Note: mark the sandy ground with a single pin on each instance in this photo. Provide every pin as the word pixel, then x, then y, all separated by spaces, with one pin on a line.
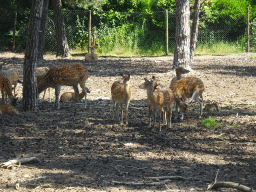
pixel 85 150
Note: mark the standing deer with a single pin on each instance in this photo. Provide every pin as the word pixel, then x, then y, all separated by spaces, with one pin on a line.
pixel 40 73
pixel 121 94
pixel 69 75
pixel 188 88
pixel 6 87
pixel 13 75
pixel 159 101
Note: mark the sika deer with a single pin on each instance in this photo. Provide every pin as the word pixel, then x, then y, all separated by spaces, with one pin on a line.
pixel 179 72
pixel 158 101
pixel 188 88
pixel 6 87
pixel 69 75
pixel 121 94
pixel 69 96
pixel 8 109
pixel 13 75
pixel 40 73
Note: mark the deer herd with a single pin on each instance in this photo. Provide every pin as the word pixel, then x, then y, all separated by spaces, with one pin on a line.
pixel 160 100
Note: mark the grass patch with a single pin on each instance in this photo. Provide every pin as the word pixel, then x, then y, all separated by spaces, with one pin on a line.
pixel 210 123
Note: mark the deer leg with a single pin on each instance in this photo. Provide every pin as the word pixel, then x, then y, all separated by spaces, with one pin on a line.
pixel 126 112
pixel 44 94
pixel 121 110
pixel 149 113
pixel 2 96
pixel 75 87
pixel 57 97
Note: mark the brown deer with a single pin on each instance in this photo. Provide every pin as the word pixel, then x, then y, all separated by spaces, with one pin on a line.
pixel 70 96
pixel 188 88
pixel 40 73
pixel 6 87
pixel 121 94
pixel 8 109
pixel 179 72
pixel 159 101
pixel 69 75
pixel 13 75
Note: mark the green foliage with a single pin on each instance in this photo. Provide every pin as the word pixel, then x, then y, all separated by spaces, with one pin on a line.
pixel 253 36
pixel 210 123
pixel 81 34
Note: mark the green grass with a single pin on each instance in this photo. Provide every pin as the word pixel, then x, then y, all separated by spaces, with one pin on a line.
pixel 219 48
pixel 210 123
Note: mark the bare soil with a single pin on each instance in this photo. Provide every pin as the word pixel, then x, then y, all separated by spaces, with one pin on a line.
pixel 86 150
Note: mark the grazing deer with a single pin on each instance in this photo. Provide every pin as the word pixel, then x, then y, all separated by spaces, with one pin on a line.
pixel 121 94
pixel 6 87
pixel 69 75
pixel 8 109
pixel 69 96
pixel 13 75
pixel 40 73
pixel 159 101
pixel 188 88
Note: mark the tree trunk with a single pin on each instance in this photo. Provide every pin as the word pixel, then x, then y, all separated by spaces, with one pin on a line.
pixel 194 30
pixel 182 35
pixel 29 80
pixel 43 27
pixel 62 43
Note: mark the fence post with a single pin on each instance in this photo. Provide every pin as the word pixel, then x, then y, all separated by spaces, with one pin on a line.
pixel 166 13
pixel 14 29
pixel 89 34
pixel 248 27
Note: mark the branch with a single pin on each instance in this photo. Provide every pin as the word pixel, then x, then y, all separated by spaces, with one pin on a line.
pixel 230 185
pixel 18 161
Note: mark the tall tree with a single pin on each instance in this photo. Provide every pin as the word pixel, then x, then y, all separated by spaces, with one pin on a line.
pixel 30 84
pixel 194 29
pixel 182 35
pixel 62 43
pixel 43 27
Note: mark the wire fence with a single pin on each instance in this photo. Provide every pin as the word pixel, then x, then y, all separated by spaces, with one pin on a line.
pixel 133 32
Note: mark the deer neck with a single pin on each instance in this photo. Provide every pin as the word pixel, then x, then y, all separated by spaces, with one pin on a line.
pixel 178 75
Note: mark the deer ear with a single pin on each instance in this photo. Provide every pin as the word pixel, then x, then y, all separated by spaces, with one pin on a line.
pixel 121 74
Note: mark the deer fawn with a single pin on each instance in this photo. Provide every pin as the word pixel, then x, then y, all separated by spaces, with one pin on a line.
pixel 8 109
pixel 69 96
pixel 188 88
pixel 121 94
pixel 6 87
pixel 40 73
pixel 13 75
pixel 161 101
pixel 69 75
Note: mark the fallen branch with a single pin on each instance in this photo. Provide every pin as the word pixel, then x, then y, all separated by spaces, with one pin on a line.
pixel 149 181
pixel 18 161
pixel 230 185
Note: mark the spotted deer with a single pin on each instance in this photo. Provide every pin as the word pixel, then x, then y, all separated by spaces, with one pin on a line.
pixel 179 72
pixel 13 75
pixel 70 96
pixel 121 95
pixel 8 109
pixel 6 87
pixel 69 75
pixel 158 101
pixel 40 73
pixel 188 88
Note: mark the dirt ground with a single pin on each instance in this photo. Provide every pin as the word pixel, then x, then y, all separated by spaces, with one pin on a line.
pixel 85 150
